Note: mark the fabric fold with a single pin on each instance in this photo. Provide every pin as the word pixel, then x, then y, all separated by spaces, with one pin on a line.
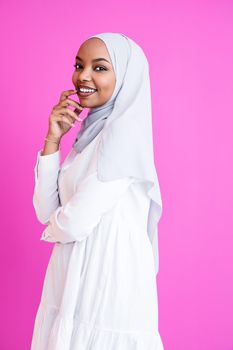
pixel 76 219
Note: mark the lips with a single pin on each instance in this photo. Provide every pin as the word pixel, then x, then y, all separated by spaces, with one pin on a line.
pixel 85 94
pixel 86 87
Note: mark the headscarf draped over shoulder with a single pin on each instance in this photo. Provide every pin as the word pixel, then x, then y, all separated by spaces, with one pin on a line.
pixel 126 144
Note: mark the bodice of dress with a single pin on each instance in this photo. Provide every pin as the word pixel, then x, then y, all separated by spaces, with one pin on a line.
pixel 133 205
pixel 57 184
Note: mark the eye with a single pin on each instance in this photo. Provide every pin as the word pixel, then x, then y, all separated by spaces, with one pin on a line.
pixel 103 68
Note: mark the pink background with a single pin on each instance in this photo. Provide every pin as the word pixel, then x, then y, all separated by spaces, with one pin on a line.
pixel 190 50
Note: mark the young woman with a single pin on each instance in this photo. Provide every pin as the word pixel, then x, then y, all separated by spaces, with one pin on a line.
pixel 101 207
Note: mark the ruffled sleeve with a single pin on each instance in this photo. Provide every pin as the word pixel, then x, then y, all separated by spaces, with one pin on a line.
pixel 46 197
pixel 76 219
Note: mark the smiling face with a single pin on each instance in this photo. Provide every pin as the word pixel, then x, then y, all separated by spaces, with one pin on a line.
pixel 95 74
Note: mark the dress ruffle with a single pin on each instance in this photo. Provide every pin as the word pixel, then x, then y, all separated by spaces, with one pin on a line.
pixel 70 334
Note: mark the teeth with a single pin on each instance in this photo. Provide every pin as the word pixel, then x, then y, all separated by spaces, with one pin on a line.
pixel 86 90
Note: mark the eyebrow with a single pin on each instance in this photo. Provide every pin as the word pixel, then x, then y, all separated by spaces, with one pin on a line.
pixel 95 60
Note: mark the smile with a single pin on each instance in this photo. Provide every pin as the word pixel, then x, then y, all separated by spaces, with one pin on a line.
pixel 85 94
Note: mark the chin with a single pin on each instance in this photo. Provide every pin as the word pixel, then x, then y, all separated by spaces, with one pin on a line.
pixel 88 104
pixel 83 102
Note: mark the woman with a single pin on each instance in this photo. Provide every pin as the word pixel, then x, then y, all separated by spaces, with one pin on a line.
pixel 101 207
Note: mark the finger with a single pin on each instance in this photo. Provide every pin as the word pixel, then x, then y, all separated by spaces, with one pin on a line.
pixel 77 112
pixel 63 113
pixel 70 102
pixel 71 113
pixel 65 94
pixel 64 119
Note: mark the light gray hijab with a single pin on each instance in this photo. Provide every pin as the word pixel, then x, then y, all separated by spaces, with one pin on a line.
pixel 126 143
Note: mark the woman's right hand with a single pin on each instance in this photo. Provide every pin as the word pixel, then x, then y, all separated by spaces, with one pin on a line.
pixel 61 117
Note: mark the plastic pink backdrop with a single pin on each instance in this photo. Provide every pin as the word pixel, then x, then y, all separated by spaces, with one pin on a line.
pixel 189 46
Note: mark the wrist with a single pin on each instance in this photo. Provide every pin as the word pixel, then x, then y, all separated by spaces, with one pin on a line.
pixel 53 138
pixel 51 145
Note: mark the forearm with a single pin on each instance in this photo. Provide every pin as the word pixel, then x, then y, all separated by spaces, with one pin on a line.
pixel 76 219
pixel 46 198
pixel 51 146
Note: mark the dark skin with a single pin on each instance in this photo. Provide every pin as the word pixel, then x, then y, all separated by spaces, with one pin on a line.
pixel 99 75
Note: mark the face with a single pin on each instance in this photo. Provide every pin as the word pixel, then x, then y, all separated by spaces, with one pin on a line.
pixel 97 74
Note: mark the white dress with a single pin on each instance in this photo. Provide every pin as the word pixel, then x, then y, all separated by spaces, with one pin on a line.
pixel 99 291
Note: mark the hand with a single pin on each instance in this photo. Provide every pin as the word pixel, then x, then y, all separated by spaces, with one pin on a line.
pixel 61 117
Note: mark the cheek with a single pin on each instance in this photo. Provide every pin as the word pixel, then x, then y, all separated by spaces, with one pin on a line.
pixel 113 84
pixel 107 82
pixel 109 86
pixel 74 78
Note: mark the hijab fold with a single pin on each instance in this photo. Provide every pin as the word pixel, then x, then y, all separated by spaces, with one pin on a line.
pixel 126 144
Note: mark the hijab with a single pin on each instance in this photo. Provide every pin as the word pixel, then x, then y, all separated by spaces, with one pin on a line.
pixel 126 143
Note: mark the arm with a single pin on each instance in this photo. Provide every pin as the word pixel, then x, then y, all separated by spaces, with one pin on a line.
pixel 45 196
pixel 76 219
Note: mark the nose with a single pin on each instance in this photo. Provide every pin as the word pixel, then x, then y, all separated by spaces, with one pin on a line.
pixel 84 75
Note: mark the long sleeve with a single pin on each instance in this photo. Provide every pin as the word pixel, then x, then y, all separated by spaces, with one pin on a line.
pixel 46 197
pixel 76 219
